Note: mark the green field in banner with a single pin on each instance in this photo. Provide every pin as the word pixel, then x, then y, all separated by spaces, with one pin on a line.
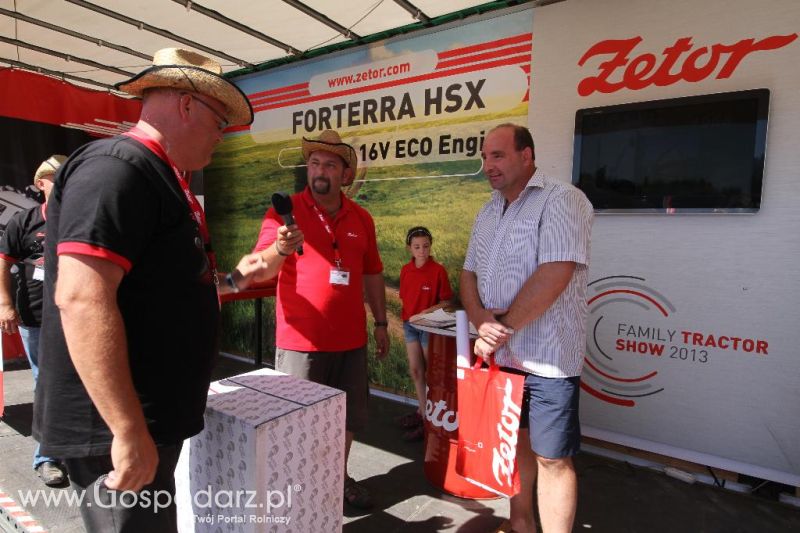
pixel 244 175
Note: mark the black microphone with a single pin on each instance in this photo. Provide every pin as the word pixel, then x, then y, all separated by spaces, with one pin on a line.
pixel 283 206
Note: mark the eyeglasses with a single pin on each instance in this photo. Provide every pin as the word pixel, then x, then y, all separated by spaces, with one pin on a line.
pixel 223 123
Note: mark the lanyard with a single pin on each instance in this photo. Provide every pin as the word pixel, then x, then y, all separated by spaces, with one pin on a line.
pixel 198 216
pixel 336 257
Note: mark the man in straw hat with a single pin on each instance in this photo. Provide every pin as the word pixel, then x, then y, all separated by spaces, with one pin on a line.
pixel 23 245
pixel 340 263
pixel 131 308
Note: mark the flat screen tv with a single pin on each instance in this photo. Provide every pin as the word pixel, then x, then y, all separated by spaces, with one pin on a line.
pixel 697 154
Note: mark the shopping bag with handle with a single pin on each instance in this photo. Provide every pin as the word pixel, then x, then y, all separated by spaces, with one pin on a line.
pixel 489 401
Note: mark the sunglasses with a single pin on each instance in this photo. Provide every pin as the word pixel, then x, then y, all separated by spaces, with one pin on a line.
pixel 222 122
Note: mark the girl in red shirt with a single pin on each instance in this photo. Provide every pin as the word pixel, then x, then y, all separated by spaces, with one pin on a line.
pixel 424 286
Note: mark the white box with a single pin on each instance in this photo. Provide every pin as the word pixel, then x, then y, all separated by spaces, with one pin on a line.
pixel 271 458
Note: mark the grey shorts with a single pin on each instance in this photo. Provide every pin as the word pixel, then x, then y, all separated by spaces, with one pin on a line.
pixel 550 411
pixel 346 371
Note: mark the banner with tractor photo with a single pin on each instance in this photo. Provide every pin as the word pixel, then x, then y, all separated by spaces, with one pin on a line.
pixel 415 109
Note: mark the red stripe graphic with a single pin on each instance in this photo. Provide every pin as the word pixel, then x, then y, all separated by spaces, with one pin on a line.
pixel 279 90
pixel 635 293
pixel 286 96
pixel 624 380
pixel 260 99
pixel 607 398
pixel 521 38
pixel 394 83
pixel 483 57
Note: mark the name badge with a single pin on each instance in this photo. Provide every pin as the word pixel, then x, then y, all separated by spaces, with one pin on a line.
pixel 38 273
pixel 340 276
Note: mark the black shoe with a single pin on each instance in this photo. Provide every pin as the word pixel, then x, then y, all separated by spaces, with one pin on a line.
pixel 409 421
pixel 52 473
pixel 356 494
pixel 414 435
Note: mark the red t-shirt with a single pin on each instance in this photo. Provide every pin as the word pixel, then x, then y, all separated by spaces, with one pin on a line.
pixel 313 315
pixel 423 287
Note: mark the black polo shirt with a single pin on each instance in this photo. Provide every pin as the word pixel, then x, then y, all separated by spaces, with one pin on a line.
pixel 115 199
pixel 23 245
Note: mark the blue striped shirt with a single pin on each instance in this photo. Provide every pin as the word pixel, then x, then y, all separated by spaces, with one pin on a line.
pixel 550 221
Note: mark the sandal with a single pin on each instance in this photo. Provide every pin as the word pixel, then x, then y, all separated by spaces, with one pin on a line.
pixel 409 421
pixel 414 435
pixel 355 494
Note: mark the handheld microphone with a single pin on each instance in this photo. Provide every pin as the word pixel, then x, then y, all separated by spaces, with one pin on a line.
pixel 283 206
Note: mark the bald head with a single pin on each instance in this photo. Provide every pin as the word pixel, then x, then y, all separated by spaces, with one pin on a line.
pixel 188 125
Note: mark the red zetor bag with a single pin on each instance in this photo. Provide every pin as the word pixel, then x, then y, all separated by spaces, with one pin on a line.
pixel 489 403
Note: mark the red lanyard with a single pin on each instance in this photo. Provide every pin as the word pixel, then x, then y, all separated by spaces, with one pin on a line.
pixel 336 257
pixel 198 216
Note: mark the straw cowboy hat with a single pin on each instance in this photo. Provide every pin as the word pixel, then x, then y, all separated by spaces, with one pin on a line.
pixel 184 69
pixel 330 141
pixel 49 166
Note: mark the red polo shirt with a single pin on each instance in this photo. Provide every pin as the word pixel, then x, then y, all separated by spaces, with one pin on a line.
pixel 420 288
pixel 313 315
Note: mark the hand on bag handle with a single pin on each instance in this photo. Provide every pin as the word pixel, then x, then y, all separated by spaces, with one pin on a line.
pixel 489 360
pixel 483 350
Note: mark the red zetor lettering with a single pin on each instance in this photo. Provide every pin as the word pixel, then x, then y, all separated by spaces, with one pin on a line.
pixel 503 458
pixel 761 347
pixel 641 71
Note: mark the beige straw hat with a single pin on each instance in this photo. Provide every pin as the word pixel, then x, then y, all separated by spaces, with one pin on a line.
pixel 49 166
pixel 184 69
pixel 330 141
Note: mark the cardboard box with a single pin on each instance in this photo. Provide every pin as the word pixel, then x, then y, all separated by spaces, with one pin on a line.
pixel 271 458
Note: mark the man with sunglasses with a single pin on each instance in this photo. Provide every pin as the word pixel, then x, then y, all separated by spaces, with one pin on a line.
pixel 129 330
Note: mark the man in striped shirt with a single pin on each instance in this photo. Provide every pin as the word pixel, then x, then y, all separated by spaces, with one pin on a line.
pixel 524 288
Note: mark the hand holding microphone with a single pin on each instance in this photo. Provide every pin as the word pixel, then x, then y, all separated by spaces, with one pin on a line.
pixel 283 206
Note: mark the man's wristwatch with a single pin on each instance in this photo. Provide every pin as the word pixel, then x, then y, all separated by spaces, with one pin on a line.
pixel 231 283
pixel 381 324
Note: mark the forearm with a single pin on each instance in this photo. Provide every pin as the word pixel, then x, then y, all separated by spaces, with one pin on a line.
pixel 6 296
pixel 470 298
pixel 101 358
pixel 9 319
pixel 375 292
pixel 274 262
pixel 538 293
pixel 287 241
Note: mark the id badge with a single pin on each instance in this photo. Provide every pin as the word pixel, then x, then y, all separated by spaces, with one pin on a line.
pixel 38 273
pixel 340 276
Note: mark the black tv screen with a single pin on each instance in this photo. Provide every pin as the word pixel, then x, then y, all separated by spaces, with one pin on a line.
pixel 697 154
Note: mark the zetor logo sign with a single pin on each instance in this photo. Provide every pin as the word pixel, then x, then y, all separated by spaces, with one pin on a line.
pixel 504 454
pixel 681 61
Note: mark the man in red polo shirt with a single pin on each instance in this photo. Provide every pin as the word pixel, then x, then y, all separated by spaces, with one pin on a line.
pixel 321 322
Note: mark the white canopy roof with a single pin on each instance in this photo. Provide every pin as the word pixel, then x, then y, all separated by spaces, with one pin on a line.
pixel 101 42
